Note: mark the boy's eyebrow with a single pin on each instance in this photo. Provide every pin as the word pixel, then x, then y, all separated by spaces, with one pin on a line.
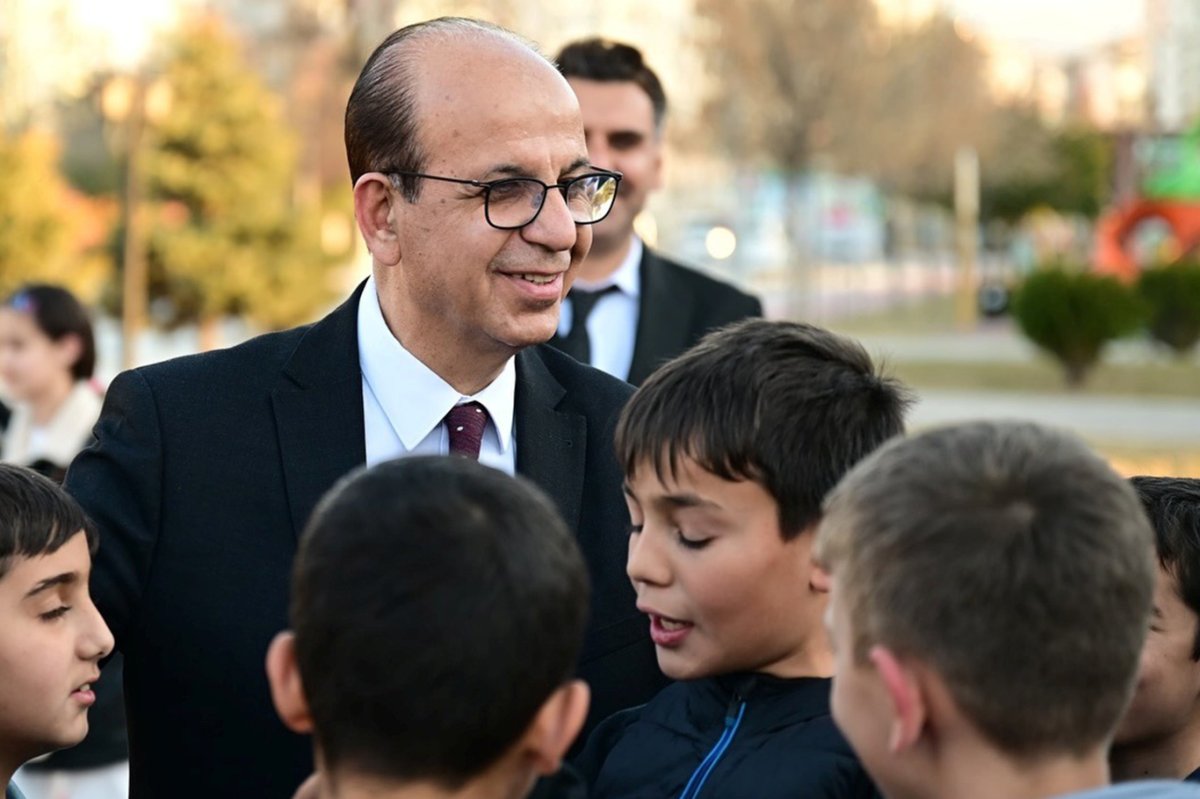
pixel 687 501
pixel 66 578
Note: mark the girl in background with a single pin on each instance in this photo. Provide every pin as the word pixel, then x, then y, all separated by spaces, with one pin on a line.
pixel 47 356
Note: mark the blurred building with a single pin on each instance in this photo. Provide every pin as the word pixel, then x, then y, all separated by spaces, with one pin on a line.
pixel 1173 33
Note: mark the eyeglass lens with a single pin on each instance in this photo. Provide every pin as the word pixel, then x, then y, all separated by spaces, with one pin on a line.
pixel 515 203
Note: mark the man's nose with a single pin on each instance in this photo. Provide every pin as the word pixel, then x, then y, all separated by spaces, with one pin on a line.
pixel 554 228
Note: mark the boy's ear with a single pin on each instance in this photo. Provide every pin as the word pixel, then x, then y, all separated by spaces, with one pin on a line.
pixel 375 210
pixel 287 691
pixel 906 694
pixel 819 580
pixel 555 726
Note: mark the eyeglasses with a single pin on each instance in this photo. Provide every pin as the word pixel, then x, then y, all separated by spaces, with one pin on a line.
pixel 512 203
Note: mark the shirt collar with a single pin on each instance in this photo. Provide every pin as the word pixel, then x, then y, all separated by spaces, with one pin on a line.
pixel 413 397
pixel 627 278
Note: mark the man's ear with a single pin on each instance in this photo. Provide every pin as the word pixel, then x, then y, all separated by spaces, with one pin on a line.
pixel 555 726
pixel 906 693
pixel 375 211
pixel 287 691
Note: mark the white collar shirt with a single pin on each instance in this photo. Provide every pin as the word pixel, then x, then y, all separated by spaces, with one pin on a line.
pixel 405 403
pixel 612 325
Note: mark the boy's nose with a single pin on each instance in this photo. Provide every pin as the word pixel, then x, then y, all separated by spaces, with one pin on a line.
pixel 97 640
pixel 646 563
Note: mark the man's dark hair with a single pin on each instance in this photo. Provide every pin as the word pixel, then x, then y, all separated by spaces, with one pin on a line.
pixel 787 405
pixel 608 61
pixel 58 314
pixel 436 604
pixel 1173 505
pixel 381 127
pixel 36 517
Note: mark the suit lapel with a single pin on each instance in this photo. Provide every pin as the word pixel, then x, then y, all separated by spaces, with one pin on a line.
pixel 551 444
pixel 658 326
pixel 319 411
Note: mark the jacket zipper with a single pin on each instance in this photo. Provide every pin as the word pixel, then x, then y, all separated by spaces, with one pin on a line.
pixel 733 719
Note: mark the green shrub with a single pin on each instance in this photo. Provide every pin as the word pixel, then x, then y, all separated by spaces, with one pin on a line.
pixel 1172 296
pixel 1072 315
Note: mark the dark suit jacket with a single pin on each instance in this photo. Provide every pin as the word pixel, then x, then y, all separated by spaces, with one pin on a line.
pixel 204 472
pixel 676 307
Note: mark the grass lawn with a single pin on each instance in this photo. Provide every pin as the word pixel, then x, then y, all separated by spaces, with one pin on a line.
pixel 925 316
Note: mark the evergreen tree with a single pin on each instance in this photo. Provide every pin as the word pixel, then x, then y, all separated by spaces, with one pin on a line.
pixel 225 236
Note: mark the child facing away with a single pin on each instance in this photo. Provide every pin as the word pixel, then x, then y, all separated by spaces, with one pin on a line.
pixel 51 635
pixel 438 609
pixel 728 451
pixel 1160 735
pixel 991 589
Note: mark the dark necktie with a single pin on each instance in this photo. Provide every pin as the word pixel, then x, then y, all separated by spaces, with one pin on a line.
pixel 466 423
pixel 576 343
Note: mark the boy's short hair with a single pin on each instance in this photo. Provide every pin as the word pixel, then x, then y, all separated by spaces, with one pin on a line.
pixel 607 61
pixel 436 605
pixel 1173 505
pixel 36 517
pixel 787 405
pixel 1010 558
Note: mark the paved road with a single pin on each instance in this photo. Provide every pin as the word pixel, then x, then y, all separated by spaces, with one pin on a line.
pixel 1135 422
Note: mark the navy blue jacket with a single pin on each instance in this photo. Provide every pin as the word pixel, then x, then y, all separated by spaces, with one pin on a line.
pixel 733 737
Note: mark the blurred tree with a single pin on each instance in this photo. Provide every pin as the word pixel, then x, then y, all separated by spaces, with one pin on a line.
pixel 931 99
pixel 1172 293
pixel 1068 170
pixel 1072 314
pixel 226 236
pixel 45 229
pixel 788 74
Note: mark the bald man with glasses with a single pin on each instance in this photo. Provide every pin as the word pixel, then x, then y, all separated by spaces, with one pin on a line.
pixel 475 196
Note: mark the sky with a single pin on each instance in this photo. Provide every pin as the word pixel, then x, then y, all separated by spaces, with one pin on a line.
pixel 1054 26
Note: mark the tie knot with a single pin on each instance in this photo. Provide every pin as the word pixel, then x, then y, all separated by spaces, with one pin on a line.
pixel 465 424
pixel 582 303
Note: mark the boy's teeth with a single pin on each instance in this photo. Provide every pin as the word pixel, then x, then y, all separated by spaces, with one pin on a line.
pixel 541 280
pixel 667 624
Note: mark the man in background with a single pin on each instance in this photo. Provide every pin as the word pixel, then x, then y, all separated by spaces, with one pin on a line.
pixel 631 309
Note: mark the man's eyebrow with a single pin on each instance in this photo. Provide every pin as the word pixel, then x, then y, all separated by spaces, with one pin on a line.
pixel 578 163
pixel 518 171
pixel 66 578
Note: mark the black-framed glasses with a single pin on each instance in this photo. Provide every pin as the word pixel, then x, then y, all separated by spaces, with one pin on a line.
pixel 511 203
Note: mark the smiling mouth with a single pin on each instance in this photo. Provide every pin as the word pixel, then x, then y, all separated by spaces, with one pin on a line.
pixel 538 280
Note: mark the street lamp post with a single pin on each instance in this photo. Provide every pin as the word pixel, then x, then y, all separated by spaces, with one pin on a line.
pixel 131 100
pixel 133 275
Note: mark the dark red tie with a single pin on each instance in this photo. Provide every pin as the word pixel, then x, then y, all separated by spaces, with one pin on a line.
pixel 466 423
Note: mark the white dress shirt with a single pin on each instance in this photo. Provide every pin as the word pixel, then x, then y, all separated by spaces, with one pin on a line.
pixel 612 325
pixel 405 402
